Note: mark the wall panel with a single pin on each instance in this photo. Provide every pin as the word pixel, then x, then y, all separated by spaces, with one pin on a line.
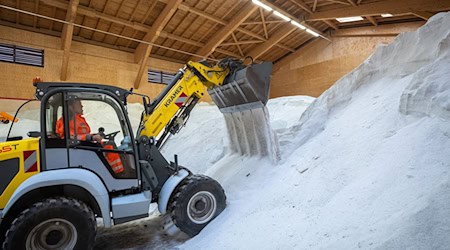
pixel 314 68
pixel 88 64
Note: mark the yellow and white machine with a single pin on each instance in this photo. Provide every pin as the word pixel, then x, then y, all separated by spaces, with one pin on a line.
pixel 53 185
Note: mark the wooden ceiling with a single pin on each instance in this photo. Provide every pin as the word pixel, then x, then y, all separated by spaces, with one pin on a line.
pixel 178 30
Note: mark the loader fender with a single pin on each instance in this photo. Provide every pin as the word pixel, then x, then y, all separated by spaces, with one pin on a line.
pixel 168 188
pixel 77 177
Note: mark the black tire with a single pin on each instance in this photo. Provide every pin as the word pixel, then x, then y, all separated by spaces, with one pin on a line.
pixel 54 223
pixel 5 121
pixel 196 202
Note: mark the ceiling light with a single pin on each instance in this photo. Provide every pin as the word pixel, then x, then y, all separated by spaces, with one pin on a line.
pixel 349 19
pixel 287 19
pixel 262 5
pixel 387 15
pixel 298 25
pixel 312 32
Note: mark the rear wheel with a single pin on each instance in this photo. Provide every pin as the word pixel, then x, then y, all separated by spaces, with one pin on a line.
pixel 55 223
pixel 196 201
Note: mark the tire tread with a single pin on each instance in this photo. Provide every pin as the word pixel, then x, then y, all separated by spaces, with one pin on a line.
pixel 41 205
pixel 177 201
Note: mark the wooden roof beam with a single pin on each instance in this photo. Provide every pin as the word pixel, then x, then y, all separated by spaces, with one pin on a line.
pixel 372 20
pixel 199 44
pixel 394 7
pixel 285 47
pixel 52 23
pixel 36 10
pixel 17 13
pixel 265 21
pixel 352 3
pixel 226 31
pixel 314 6
pixel 142 52
pixel 201 13
pixel 220 21
pixel 138 25
pixel 85 11
pixel 380 31
pixel 425 15
pixel 339 2
pixel 129 19
pixel 237 45
pixel 241 42
pixel 66 36
pixel 147 13
pixel 261 13
pixel 111 25
pixel 227 53
pixel 302 5
pixel 331 24
pixel 181 39
pixel 279 35
pixel 306 8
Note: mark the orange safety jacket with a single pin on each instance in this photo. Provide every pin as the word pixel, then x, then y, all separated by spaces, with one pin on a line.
pixel 84 133
pixel 83 129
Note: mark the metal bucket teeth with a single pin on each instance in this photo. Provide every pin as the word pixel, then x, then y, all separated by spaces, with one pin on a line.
pixel 246 89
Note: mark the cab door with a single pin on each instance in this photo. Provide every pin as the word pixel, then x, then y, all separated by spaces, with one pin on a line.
pixel 73 135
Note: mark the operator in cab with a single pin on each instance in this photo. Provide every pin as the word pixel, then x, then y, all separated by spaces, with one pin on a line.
pixel 83 133
pixel 83 128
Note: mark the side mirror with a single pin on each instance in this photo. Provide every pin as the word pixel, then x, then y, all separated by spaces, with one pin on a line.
pixel 34 134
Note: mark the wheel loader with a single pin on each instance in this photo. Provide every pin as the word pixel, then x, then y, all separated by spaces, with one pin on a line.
pixel 56 186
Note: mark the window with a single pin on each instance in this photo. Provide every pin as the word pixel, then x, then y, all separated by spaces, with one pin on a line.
pixel 96 114
pixel 53 113
pixel 160 77
pixel 29 120
pixel 21 55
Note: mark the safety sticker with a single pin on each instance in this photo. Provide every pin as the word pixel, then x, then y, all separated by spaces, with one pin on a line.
pixel 179 102
pixel 30 161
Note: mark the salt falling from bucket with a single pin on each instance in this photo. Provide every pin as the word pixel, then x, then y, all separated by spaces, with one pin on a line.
pixel 250 133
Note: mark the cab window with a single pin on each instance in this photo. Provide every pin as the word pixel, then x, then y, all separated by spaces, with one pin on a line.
pixel 96 122
pixel 27 123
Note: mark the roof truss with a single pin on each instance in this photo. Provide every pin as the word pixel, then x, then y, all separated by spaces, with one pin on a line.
pixel 239 29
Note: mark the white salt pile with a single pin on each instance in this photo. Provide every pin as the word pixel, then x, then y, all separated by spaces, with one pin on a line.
pixel 367 165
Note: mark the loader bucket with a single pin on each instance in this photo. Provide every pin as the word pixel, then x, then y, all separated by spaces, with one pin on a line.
pixel 244 89
pixel 242 100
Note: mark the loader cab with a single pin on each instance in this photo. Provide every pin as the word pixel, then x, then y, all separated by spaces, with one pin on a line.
pixel 72 117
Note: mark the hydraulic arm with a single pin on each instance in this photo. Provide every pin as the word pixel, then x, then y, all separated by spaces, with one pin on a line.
pixel 232 86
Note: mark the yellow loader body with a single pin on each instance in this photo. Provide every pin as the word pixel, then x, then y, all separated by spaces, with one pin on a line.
pixel 19 160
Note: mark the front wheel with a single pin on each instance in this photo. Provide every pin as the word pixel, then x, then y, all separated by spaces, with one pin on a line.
pixel 196 202
pixel 55 223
